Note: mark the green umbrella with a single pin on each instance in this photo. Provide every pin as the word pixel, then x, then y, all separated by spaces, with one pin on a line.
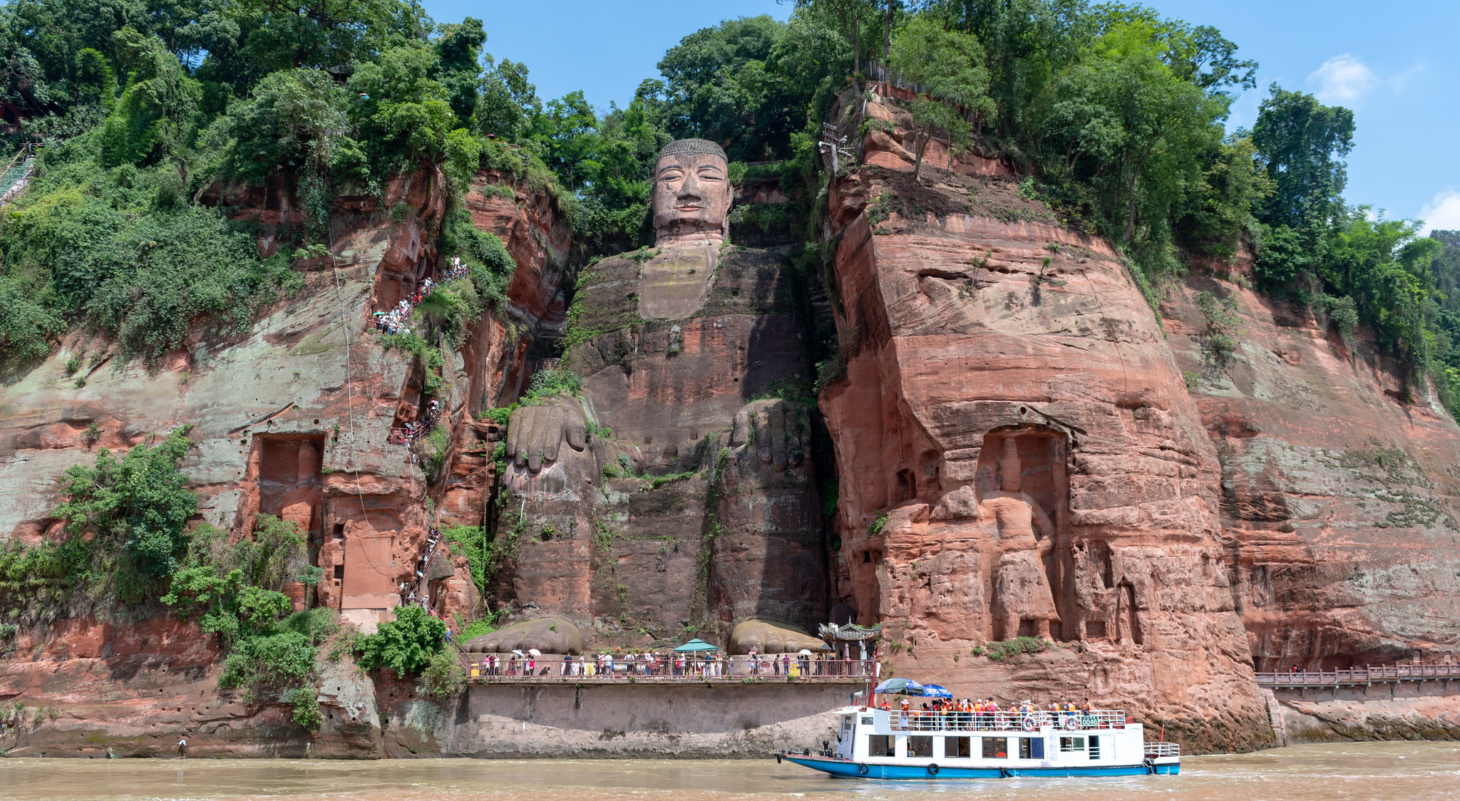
pixel 695 646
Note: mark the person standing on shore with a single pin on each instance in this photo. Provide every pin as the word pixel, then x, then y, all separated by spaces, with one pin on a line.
pixel 182 748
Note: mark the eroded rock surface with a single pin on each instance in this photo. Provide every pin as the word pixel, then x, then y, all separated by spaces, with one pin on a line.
pixel 1338 499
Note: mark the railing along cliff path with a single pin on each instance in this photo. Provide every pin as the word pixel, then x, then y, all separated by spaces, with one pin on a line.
pixel 663 669
pixel 15 176
pixel 1360 676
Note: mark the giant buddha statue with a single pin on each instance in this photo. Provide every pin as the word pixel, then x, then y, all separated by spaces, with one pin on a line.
pixel 676 488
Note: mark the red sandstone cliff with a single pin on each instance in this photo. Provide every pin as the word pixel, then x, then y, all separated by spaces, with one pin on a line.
pixel 968 320
pixel 1338 499
pixel 293 420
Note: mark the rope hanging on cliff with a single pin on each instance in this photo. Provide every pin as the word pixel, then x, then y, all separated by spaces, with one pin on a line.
pixel 349 394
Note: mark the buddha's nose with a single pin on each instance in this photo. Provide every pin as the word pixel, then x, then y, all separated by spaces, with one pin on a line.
pixel 690 189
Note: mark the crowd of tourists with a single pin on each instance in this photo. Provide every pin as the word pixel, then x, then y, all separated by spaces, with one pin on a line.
pixel 650 663
pixel 421 564
pixel 411 433
pixel 986 714
pixel 394 320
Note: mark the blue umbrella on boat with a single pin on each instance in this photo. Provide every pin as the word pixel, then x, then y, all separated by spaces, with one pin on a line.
pixel 936 691
pixel 903 686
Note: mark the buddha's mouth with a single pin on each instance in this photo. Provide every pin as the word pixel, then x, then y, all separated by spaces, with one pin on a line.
pixel 689 207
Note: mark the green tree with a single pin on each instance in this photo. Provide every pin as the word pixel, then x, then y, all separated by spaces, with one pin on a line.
pixel 507 102
pixel 1124 121
pixel 402 113
pixel 139 501
pixel 1302 145
pixel 405 644
pixel 156 115
pixel 458 52
pixel 291 122
pixel 948 67
pixel 565 132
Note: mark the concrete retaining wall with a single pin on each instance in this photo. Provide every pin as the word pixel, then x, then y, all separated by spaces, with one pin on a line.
pixel 1403 711
pixel 698 721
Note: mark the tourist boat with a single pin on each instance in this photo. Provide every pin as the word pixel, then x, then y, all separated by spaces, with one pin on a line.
pixel 880 744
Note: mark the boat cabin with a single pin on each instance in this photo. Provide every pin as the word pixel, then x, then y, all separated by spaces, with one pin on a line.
pixel 1006 740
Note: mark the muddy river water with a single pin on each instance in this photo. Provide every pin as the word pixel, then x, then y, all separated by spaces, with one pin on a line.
pixel 1341 772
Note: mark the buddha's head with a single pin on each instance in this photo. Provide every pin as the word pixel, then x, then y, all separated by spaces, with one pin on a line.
pixel 692 192
pixel 1009 467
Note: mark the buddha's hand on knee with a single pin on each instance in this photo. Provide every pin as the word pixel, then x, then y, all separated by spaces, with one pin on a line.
pixel 779 432
pixel 536 435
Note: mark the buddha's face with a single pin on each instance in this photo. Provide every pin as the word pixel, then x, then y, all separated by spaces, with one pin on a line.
pixel 692 195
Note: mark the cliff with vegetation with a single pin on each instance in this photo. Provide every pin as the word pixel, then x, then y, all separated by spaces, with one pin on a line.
pixel 320 333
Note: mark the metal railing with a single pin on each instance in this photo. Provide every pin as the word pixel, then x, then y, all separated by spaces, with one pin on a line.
pixel 1163 749
pixel 15 175
pixel 919 720
pixel 1368 674
pixel 660 667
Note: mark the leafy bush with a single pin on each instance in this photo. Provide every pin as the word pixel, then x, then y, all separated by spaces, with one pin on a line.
pixel 1009 649
pixel 443 676
pixel 405 644
pixel 1219 338
pixel 270 666
pixel 471 542
pixel 138 502
pixel 550 383
pixel 304 703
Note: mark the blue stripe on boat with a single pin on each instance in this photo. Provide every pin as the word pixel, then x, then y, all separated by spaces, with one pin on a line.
pixel 837 767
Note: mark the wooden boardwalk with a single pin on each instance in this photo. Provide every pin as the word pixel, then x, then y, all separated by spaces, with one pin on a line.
pixel 1361 676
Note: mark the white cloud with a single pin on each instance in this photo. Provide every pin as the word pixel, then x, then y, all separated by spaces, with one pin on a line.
pixel 1342 80
pixel 1443 212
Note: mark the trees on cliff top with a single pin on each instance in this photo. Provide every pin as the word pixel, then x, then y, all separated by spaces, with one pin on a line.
pixel 948 68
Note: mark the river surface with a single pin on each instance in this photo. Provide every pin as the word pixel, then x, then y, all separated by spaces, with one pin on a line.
pixel 1346 772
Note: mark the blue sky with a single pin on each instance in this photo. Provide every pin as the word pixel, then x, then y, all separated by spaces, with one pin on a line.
pixel 1393 63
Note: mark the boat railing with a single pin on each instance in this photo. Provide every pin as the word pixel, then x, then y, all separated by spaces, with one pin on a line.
pixel 661 667
pixel 952 720
pixel 1163 749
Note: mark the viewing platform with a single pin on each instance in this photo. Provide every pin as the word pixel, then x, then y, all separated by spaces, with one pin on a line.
pixel 1360 676
pixel 665 670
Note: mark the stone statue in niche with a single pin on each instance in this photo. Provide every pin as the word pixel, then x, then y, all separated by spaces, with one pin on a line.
pixel 691 206
pixel 1022 591
pixel 683 337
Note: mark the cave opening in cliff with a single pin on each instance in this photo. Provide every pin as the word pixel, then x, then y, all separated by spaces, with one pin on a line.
pixel 287 472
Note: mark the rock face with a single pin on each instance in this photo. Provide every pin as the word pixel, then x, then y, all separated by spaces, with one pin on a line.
pixel 294 420
pixel 1027 477
pixel 1338 500
pixel 971 339
pixel 134 688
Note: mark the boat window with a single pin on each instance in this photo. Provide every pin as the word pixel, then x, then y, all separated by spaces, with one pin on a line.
pixel 1068 744
pixel 1031 748
pixel 957 747
pixel 880 745
pixel 920 747
pixel 995 747
pixel 867 721
pixel 1094 747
